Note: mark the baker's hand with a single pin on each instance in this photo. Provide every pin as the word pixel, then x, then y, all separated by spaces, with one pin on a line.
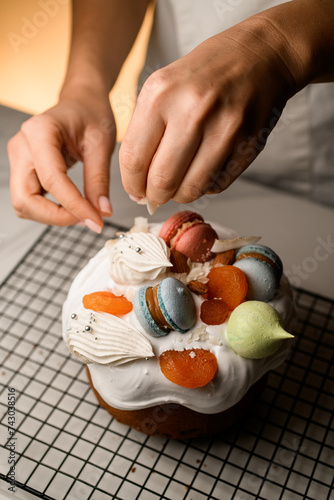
pixel 200 121
pixel 78 128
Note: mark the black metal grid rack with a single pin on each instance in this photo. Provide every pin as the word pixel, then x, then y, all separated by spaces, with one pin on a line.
pixel 67 447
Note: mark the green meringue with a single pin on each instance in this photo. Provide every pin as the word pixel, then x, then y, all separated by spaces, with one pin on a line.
pixel 254 330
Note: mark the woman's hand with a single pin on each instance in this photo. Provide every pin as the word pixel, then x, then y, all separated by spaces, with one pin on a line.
pixel 80 127
pixel 200 121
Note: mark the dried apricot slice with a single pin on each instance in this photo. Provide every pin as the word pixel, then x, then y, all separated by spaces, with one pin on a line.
pixel 107 302
pixel 189 368
pixel 228 283
pixel 213 311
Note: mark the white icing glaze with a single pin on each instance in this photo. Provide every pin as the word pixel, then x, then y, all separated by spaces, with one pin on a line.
pixel 138 257
pixel 141 384
pixel 102 338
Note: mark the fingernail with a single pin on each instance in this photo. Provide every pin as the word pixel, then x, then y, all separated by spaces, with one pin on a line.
pixel 80 223
pixel 105 205
pixel 93 226
pixel 135 198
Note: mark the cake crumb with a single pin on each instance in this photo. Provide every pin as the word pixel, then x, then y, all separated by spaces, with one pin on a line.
pixel 215 340
pixel 200 334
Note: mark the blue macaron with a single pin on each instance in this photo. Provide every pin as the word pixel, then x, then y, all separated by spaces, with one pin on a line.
pixel 261 277
pixel 144 316
pixel 261 252
pixel 175 304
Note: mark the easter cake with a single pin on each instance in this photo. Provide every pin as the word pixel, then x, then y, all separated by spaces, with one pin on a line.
pixel 178 324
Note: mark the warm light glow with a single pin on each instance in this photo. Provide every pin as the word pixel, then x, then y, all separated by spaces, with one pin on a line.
pixel 34 43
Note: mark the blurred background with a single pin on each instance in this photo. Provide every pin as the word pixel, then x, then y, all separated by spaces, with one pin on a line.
pixel 34 45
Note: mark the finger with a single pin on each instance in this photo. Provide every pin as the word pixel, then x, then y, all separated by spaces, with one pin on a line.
pixel 203 170
pixel 41 209
pixel 238 162
pixel 138 148
pixel 26 191
pixel 173 157
pixel 96 151
pixel 218 143
pixel 58 184
pixel 51 171
pixel 69 157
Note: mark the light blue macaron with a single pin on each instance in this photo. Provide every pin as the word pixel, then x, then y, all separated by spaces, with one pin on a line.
pixel 266 252
pixel 144 316
pixel 176 304
pixel 261 277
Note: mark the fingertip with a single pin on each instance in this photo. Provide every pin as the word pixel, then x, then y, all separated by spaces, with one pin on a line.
pixel 105 206
pixel 135 198
pixel 93 226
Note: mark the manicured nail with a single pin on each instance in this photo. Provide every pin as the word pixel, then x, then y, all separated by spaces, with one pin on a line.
pixel 80 223
pixel 105 205
pixel 135 198
pixel 93 226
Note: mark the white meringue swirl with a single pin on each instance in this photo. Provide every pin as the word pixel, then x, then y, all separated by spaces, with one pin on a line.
pixel 138 257
pixel 105 339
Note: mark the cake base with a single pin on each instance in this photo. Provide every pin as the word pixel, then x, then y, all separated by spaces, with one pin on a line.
pixel 175 421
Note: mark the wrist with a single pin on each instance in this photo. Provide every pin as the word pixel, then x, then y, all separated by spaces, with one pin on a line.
pixel 268 49
pixel 84 84
pixel 302 34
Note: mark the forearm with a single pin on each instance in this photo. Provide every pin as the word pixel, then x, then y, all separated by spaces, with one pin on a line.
pixel 103 33
pixel 305 35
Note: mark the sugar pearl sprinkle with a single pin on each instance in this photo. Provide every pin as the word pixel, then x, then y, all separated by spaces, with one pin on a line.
pixel 125 237
pixel 98 338
pixel 87 328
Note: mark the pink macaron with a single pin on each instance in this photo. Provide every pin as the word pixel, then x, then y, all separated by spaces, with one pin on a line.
pixel 187 233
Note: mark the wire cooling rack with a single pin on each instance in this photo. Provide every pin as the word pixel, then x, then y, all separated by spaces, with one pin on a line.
pixel 66 447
